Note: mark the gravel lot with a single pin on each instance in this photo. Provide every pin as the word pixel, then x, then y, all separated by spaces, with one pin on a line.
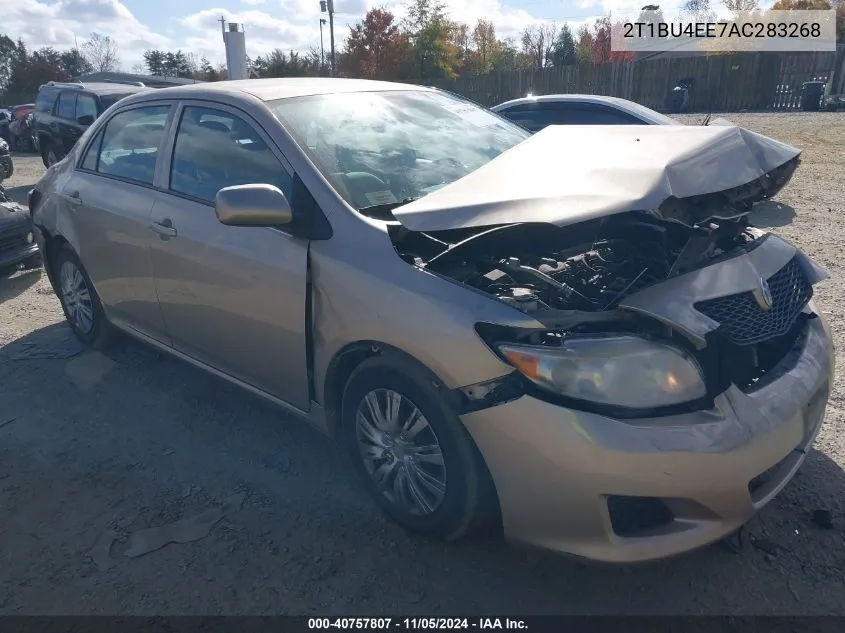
pixel 94 448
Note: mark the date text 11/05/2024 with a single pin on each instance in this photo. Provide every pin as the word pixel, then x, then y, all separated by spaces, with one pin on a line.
pixel 713 30
pixel 418 624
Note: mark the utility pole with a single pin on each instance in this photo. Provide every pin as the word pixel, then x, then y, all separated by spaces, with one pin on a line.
pixel 322 56
pixel 327 6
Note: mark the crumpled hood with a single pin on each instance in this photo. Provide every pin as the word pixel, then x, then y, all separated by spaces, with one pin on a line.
pixel 568 174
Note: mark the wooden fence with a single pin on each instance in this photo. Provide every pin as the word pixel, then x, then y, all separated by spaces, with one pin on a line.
pixel 723 83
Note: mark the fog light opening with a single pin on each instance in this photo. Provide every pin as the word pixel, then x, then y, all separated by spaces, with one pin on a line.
pixel 637 516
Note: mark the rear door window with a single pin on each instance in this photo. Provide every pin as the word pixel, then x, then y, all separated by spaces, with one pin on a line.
pixel 131 142
pixel 86 105
pixel 67 105
pixel 46 100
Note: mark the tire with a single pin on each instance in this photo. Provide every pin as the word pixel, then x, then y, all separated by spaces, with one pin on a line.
pixel 91 326
pixel 465 503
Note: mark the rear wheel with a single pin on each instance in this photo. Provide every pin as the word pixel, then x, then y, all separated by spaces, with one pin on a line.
pixel 80 303
pixel 415 457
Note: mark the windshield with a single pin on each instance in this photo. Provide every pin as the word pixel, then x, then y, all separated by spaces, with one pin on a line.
pixel 380 149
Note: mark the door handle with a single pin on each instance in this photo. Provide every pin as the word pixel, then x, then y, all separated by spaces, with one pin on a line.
pixel 164 228
pixel 73 198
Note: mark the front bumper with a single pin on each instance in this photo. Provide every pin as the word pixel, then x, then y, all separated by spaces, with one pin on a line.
pixel 555 468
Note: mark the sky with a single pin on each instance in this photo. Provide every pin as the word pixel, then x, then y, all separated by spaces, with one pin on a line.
pixel 192 25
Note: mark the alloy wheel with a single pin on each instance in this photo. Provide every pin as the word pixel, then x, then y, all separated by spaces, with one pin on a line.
pixel 76 297
pixel 401 452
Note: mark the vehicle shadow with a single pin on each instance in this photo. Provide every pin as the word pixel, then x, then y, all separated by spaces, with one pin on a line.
pixel 771 214
pixel 14 282
pixel 128 428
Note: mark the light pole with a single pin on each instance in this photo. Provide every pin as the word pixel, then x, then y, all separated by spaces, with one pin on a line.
pixel 327 6
pixel 322 56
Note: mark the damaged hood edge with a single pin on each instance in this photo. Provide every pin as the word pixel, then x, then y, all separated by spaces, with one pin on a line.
pixel 568 174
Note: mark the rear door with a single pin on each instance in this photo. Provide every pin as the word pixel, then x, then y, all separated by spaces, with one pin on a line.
pixel 233 298
pixel 65 130
pixel 111 195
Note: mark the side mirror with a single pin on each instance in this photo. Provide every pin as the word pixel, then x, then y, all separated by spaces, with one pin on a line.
pixel 85 119
pixel 252 205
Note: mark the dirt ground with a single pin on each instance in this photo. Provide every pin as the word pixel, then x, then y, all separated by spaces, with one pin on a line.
pixel 96 448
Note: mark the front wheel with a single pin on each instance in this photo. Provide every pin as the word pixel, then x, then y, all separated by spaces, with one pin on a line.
pixel 413 453
pixel 80 303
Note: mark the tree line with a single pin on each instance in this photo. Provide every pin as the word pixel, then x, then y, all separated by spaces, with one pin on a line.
pixel 427 45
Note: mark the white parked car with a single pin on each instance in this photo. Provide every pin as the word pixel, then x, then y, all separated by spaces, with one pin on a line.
pixel 535 113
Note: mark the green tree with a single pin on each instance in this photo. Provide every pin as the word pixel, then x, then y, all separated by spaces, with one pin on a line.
pixel 486 48
pixel 430 34
pixel 563 51
pixel 154 61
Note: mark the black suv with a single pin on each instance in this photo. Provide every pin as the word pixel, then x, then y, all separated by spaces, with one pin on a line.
pixel 63 111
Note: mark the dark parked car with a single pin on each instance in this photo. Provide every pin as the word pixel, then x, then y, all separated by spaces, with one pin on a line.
pixel 6 166
pixel 63 111
pixel 17 242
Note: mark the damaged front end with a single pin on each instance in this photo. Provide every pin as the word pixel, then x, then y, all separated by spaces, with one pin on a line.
pixel 639 313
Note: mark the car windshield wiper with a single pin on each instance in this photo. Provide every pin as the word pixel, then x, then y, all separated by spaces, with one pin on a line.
pixel 383 211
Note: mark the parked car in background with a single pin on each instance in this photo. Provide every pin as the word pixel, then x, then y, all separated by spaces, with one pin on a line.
pixel 7 167
pixel 5 119
pixel 535 113
pixel 63 111
pixel 833 103
pixel 17 241
pixel 20 135
pixel 596 349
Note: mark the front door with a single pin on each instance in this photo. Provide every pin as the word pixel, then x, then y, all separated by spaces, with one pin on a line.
pixel 111 196
pixel 232 297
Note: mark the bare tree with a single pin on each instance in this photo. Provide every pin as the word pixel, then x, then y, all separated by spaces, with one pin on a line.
pixel 698 11
pixel 538 40
pixel 101 53
pixel 740 6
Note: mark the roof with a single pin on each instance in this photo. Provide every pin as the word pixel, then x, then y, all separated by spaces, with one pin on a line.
pixel 564 97
pixel 100 88
pixel 287 87
pixel 146 79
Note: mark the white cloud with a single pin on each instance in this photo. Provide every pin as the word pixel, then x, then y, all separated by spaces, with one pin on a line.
pixel 284 24
pixel 65 22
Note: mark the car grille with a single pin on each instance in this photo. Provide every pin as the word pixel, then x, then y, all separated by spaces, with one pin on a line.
pixel 744 322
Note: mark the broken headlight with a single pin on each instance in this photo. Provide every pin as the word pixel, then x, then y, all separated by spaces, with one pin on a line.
pixel 623 371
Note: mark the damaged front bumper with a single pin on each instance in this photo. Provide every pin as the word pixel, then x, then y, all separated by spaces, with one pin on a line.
pixel 645 488
pixel 566 479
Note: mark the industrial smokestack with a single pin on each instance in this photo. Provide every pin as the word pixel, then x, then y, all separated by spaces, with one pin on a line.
pixel 235 40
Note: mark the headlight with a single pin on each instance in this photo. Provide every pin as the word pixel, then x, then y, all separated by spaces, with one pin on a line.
pixel 3 144
pixel 623 371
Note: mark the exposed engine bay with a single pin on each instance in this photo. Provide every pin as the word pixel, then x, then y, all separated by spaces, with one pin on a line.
pixel 587 268
pixel 572 278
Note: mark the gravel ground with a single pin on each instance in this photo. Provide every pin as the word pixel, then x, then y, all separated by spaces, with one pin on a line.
pixel 95 448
